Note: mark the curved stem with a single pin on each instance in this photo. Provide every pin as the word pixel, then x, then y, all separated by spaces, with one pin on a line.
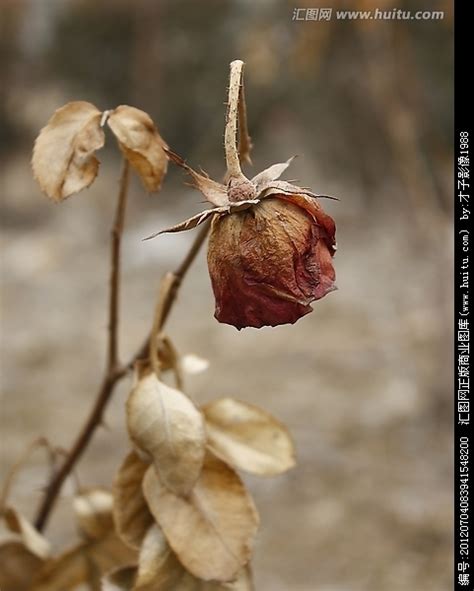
pixel 112 373
pixel 112 377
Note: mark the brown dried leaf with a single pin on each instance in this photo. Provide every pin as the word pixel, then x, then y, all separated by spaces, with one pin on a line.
pixel 140 143
pixel 63 156
pixel 286 188
pixel 248 438
pixel 73 567
pixel 31 537
pixel 64 572
pixel 158 567
pixel 271 173
pixel 160 570
pixel 120 579
pixel 18 565
pixel 212 530
pixel 191 222
pixel 214 192
pixel 93 510
pixel 131 514
pixel 110 552
pixel 164 423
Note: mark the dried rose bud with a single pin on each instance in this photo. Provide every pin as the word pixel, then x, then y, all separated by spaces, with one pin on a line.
pixel 270 248
pixel 268 263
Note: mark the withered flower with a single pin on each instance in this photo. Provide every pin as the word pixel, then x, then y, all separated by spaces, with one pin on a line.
pixel 271 244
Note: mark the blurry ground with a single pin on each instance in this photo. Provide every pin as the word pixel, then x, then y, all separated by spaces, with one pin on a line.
pixel 364 382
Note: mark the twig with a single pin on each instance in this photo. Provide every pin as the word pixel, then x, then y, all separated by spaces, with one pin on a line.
pixel 109 382
pixel 169 287
pixel 113 371
pixel 178 275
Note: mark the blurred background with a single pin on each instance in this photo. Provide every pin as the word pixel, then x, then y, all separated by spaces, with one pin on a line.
pixel 364 382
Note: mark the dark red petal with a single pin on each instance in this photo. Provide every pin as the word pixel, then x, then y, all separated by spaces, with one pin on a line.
pixel 324 220
pixel 268 264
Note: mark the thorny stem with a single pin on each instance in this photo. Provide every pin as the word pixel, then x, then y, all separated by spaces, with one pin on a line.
pixel 113 371
pixel 110 380
pixel 230 134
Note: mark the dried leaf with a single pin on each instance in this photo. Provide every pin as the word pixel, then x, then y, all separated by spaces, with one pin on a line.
pixel 164 423
pixel 193 364
pixel 191 222
pixel 131 514
pixel 201 217
pixel 158 567
pixel 140 143
pixel 18 566
pixel 31 537
pixel 64 572
pixel 73 567
pixel 270 174
pixel 120 579
pixel 214 192
pixel 63 157
pixel 93 509
pixel 278 187
pixel 212 530
pixel 248 438
pixel 160 570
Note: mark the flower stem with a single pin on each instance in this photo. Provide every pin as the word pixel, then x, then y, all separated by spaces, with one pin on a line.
pixel 230 134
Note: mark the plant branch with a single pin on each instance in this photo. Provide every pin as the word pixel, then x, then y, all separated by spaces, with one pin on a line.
pixel 113 372
pixel 112 377
pixel 169 288
pixel 230 134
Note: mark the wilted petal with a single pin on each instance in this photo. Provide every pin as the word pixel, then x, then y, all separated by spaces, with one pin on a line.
pixel 265 263
pixel 324 221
